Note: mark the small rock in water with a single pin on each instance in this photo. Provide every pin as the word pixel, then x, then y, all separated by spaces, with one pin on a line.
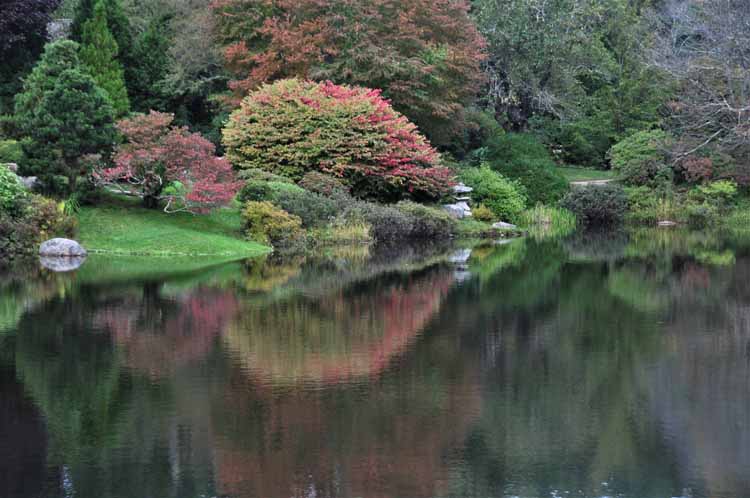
pixel 501 225
pixel 666 223
pixel 65 248
pixel 61 265
pixel 460 256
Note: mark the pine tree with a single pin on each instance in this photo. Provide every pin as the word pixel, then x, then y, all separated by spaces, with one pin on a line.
pixel 63 116
pixel 152 53
pixel 98 54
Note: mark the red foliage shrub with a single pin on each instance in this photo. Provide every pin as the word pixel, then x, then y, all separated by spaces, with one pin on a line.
pixel 292 127
pixel 159 162
pixel 697 169
pixel 424 54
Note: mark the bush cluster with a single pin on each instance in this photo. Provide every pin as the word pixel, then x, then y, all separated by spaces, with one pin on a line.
pixel 505 198
pixel 36 220
pixel 641 159
pixel 12 193
pixel 523 158
pixel 597 205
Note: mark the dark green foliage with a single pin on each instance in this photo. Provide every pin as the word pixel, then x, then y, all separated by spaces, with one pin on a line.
pixel 403 221
pixel 151 52
pixel 23 33
pixel 99 56
pixel 524 158
pixel 600 205
pixel 63 116
pixel 505 198
pixel 10 152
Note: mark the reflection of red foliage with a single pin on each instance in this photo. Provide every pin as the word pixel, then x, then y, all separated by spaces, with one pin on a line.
pixel 159 337
pixel 371 329
pixel 696 276
pixel 393 442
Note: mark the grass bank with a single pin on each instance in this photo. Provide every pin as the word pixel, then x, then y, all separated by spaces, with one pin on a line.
pixel 121 226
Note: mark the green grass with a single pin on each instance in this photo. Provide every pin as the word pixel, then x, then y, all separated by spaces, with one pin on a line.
pixel 120 226
pixel 573 174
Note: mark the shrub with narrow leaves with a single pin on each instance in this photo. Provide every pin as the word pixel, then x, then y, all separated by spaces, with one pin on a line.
pixel 294 127
pixel 12 192
pixel 267 224
pixel 600 205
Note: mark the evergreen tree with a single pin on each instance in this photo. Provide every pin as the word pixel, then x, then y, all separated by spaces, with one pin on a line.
pixel 98 54
pixel 118 25
pixel 152 53
pixel 63 116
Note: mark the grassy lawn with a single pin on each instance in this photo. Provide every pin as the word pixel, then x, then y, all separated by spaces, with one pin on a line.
pixel 573 174
pixel 120 226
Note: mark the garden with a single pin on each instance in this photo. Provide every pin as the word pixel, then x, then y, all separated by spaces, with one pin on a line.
pixel 189 129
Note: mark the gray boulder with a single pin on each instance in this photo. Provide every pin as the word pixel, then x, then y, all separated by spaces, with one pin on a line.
pixel 458 210
pixel 501 225
pixel 12 167
pixel 65 248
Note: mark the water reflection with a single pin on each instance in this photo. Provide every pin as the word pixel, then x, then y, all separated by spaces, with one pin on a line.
pixel 612 364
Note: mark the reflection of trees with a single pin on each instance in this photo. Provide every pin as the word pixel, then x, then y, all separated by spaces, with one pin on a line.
pixel 157 335
pixel 389 436
pixel 355 331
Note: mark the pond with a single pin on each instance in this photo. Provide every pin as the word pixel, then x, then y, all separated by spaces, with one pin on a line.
pixel 605 364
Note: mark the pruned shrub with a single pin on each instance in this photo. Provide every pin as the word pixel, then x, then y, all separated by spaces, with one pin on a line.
pixel 313 209
pixel 12 193
pixel 641 159
pixel 597 205
pixel 696 169
pixel 387 223
pixel 292 127
pixel 483 213
pixel 505 198
pixel 267 224
pixel 523 158
pixel 427 222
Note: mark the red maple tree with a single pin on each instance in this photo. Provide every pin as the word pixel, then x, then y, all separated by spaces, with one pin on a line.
pixel 168 164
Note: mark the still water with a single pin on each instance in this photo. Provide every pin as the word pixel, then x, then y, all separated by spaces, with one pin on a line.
pixel 612 365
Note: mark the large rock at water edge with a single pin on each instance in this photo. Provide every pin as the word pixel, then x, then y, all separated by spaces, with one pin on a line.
pixel 501 225
pixel 65 248
pixel 458 210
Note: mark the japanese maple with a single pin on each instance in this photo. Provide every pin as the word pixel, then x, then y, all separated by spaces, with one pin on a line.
pixel 163 163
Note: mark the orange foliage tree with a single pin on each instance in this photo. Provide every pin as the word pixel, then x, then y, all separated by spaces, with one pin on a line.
pixel 424 54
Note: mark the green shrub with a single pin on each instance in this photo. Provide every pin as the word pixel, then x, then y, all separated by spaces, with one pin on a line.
pixel 427 222
pixel 313 209
pixel 323 184
pixel 12 192
pixel 503 197
pixel 597 205
pixel 641 159
pixel 10 152
pixel 483 213
pixel 267 224
pixel 524 158
pixel 40 219
pixel 719 194
pixel 701 215
pixel 387 222
pixel 261 190
pixel 261 175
